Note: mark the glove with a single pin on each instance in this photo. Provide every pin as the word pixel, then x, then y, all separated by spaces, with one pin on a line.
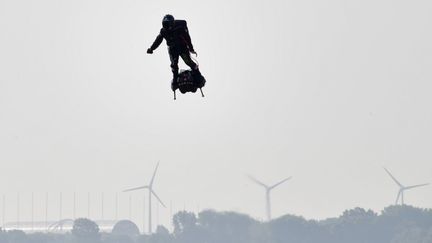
pixel 149 51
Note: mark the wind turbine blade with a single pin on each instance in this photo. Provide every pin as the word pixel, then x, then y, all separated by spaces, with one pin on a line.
pixel 394 179
pixel 154 194
pixel 277 184
pixel 136 188
pixel 257 181
pixel 410 187
pixel 154 174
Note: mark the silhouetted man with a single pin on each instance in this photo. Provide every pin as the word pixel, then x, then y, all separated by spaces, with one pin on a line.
pixel 176 35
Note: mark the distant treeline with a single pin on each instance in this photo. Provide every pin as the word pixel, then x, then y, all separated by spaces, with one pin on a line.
pixel 395 224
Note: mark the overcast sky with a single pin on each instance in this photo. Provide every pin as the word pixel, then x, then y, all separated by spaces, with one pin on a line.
pixel 328 92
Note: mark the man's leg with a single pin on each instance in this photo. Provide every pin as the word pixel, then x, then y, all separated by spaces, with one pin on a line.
pixel 174 57
pixel 188 60
pixel 196 74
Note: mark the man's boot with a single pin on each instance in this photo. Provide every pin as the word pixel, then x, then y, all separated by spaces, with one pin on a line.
pixel 196 72
pixel 198 78
pixel 174 83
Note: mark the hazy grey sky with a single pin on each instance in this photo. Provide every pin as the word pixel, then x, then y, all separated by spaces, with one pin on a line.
pixel 325 91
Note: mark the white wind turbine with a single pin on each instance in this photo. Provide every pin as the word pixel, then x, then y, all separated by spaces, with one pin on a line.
pixel 268 189
pixel 151 192
pixel 402 188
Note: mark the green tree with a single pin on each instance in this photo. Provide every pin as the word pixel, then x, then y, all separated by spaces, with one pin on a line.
pixel 411 235
pixel 162 235
pixel 228 227
pixel 85 230
pixel 186 229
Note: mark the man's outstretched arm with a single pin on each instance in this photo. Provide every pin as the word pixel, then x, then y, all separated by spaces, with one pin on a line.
pixel 155 44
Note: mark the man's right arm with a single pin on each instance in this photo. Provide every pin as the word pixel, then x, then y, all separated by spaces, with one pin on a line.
pixel 155 44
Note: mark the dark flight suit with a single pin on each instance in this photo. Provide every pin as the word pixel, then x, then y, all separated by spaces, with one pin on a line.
pixel 179 45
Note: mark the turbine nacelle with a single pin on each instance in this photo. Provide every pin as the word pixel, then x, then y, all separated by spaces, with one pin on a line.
pixel 268 190
pixel 402 188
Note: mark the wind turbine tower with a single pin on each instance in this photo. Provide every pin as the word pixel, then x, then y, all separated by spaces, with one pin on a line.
pixel 268 190
pixel 151 193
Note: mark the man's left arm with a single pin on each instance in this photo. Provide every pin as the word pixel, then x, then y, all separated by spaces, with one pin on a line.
pixel 188 40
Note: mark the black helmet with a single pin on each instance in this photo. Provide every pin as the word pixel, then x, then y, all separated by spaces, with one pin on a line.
pixel 167 21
